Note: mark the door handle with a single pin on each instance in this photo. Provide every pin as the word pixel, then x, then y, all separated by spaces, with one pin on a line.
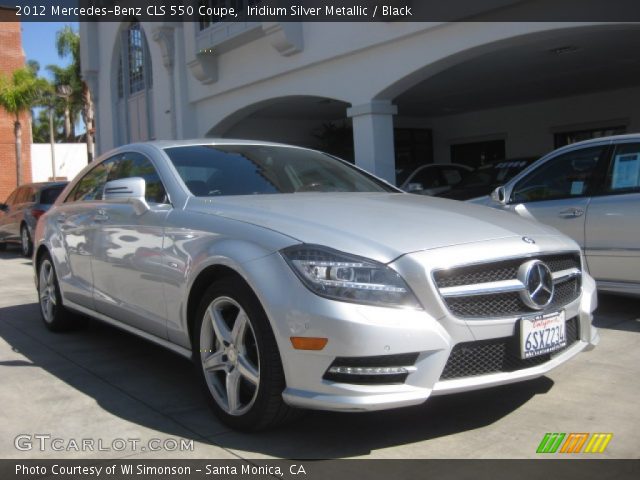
pixel 101 216
pixel 571 213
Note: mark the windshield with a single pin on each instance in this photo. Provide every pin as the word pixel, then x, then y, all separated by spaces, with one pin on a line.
pixel 210 170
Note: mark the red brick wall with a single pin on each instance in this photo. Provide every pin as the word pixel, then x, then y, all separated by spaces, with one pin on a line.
pixel 12 57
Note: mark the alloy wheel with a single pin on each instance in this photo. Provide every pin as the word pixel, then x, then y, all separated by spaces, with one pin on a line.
pixel 25 242
pixel 229 355
pixel 47 291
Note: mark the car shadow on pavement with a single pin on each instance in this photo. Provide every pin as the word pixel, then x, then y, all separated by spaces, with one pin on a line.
pixel 12 252
pixel 152 387
pixel 617 312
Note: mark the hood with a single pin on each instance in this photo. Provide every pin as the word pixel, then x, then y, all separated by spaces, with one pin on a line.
pixel 381 226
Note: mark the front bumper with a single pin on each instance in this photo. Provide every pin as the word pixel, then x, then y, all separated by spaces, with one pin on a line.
pixel 366 331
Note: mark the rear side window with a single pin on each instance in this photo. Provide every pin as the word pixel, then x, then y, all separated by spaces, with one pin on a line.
pixel 452 176
pixel 427 177
pixel 21 196
pixel 624 171
pixel 29 195
pixel 565 176
pixel 48 196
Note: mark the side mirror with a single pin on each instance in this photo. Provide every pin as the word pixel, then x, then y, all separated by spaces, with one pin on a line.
pixel 499 195
pixel 127 190
pixel 414 187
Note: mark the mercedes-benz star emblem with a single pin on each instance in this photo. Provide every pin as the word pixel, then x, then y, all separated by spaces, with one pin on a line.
pixel 538 284
pixel 528 240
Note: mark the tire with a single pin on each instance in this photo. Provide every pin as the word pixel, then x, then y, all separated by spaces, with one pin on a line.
pixel 26 245
pixel 3 246
pixel 54 315
pixel 240 368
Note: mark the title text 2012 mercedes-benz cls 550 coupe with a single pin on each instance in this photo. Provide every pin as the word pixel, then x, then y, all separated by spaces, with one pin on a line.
pixel 294 279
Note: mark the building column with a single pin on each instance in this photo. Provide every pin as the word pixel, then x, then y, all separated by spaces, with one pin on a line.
pixel 165 37
pixel 373 137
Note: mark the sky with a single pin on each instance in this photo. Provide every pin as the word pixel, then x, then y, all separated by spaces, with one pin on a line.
pixel 38 42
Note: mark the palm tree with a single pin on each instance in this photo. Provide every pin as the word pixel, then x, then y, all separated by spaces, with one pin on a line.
pixel 68 43
pixel 72 104
pixel 18 93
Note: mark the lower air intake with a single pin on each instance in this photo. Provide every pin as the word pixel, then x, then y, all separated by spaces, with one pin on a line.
pixel 470 359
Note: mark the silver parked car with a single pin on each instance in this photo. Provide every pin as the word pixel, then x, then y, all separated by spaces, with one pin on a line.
pixel 20 212
pixel 591 192
pixel 294 279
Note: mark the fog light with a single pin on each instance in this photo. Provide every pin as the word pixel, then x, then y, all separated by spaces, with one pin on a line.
pixel 371 370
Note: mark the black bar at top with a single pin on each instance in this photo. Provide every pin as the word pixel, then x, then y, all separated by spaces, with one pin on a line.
pixel 323 11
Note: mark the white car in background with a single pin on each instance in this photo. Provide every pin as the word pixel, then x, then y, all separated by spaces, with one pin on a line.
pixel 591 192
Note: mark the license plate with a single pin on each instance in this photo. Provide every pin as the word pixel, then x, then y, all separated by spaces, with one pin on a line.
pixel 542 334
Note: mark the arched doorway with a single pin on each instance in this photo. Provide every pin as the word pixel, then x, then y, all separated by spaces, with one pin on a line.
pixel 307 121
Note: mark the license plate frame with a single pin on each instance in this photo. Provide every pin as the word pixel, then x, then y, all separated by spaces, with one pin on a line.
pixel 542 334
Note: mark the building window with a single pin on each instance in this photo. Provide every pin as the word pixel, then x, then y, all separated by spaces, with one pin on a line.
pixel 133 87
pixel 135 54
pixel 120 79
pixel 561 139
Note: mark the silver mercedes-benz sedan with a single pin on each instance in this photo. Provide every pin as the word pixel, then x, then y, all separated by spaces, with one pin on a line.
pixel 296 280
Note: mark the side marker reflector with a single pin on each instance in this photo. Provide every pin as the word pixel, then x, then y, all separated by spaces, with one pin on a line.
pixel 309 343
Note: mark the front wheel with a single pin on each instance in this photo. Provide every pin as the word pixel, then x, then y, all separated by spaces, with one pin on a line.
pixel 25 241
pixel 238 359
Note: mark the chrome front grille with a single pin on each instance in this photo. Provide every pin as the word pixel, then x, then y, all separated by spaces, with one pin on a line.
pixel 490 290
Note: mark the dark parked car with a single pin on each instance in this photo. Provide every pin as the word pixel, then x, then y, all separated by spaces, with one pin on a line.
pixel 20 212
pixel 484 179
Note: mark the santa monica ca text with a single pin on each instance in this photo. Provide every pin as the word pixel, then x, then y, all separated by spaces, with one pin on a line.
pixel 142 469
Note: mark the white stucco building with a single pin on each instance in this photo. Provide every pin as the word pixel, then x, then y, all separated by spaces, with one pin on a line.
pixel 410 93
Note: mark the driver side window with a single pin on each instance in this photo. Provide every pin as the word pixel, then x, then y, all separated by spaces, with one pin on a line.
pixel 133 164
pixel 91 186
pixel 568 175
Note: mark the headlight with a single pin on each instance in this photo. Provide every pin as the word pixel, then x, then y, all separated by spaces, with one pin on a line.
pixel 348 278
